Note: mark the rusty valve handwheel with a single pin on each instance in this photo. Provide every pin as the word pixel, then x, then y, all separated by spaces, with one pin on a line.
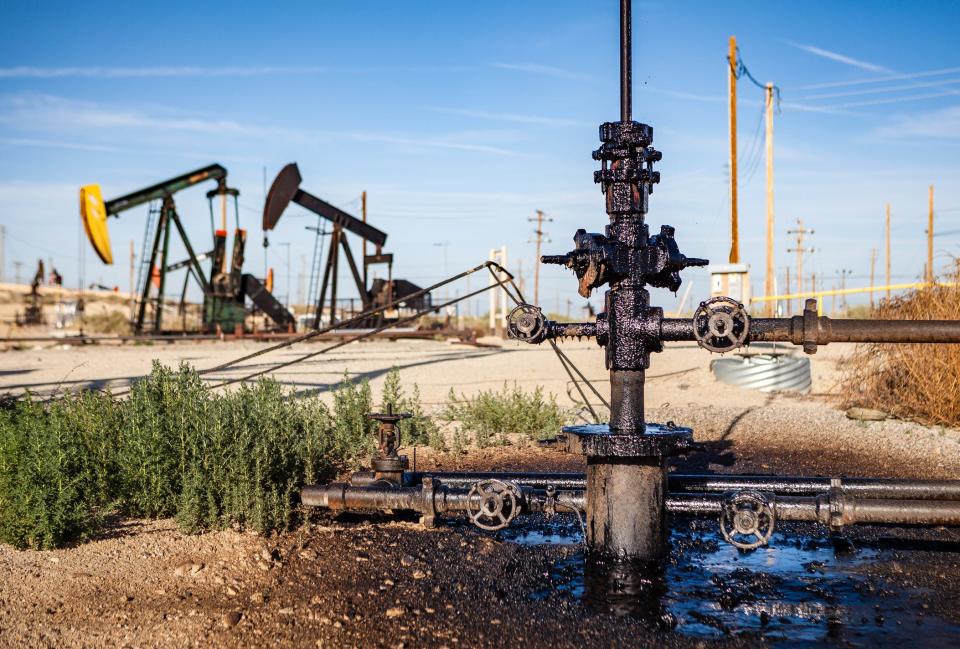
pixel 527 323
pixel 721 324
pixel 493 504
pixel 748 519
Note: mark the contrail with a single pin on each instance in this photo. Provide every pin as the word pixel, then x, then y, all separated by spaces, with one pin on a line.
pixel 890 77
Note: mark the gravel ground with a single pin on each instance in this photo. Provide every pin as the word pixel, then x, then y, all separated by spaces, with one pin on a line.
pixel 382 583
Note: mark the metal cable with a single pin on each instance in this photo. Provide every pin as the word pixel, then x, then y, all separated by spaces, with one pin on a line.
pixel 354 320
pixel 564 359
pixel 366 334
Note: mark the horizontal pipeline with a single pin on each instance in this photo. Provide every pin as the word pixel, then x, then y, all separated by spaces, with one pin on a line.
pixel 838 512
pixel 824 330
pixel 820 330
pixel 442 499
pixel 825 509
pixel 692 483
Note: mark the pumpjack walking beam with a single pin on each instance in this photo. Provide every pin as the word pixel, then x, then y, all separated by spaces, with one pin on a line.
pixel 286 189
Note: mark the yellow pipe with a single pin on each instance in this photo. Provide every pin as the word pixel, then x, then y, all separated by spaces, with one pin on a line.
pixel 845 291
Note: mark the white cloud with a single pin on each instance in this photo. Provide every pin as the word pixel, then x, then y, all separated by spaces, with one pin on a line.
pixel 842 58
pixel 509 117
pixel 941 124
pixel 545 70
pixel 29 72
pixel 49 114
pixel 889 77
pixel 60 144
pixel 46 112
pixel 879 91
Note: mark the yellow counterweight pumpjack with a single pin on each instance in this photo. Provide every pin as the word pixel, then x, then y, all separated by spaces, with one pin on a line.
pixel 224 288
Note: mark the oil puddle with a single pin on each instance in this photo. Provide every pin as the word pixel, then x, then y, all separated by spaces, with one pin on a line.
pixel 539 530
pixel 798 591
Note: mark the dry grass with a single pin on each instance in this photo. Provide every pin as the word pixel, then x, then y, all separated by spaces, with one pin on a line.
pixel 917 382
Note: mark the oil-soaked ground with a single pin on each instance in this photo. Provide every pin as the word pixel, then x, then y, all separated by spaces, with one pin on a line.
pixel 353 581
pixel 804 588
pixel 379 581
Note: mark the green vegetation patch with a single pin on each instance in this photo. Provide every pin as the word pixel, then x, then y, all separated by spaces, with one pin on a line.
pixel 171 449
pixel 492 415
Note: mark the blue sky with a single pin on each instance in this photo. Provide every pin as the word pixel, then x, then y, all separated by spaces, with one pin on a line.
pixel 460 119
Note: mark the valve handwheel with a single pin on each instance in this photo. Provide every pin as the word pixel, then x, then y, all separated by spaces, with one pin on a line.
pixel 721 324
pixel 527 323
pixel 748 519
pixel 493 504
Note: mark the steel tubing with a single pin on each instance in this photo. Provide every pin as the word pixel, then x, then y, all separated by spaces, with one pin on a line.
pixel 386 497
pixel 836 512
pixel 871 488
pixel 822 330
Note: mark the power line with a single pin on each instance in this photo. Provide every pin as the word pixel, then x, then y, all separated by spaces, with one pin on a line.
pixel 740 69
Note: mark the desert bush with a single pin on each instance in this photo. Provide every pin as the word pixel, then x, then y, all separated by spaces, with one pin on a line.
pixel 418 429
pixel 57 473
pixel 256 452
pixel 919 381
pixel 107 322
pixel 171 449
pixel 493 415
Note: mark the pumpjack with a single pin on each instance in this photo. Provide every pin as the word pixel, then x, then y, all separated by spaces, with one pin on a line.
pixel 33 312
pixel 224 288
pixel 286 189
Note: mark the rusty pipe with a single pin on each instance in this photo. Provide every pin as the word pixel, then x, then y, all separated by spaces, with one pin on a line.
pixel 865 488
pixel 814 331
pixel 834 510
pixel 382 496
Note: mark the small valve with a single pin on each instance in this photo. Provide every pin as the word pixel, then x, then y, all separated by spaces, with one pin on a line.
pixel 527 324
pixel 493 504
pixel 748 519
pixel 721 324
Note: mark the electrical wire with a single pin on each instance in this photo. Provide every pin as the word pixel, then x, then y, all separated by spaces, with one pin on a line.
pixel 740 69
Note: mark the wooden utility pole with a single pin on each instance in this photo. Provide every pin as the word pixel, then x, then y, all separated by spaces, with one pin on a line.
pixel 734 225
pixel 363 212
pixel 538 219
pixel 769 284
pixel 873 263
pixel 801 232
pixel 888 249
pixel 930 239
pixel 789 305
pixel 521 282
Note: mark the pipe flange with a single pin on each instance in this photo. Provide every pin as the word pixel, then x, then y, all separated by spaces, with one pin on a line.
pixel 493 504
pixel 748 519
pixel 655 440
pixel 721 324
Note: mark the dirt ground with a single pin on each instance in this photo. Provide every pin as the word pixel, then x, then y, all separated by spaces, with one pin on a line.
pixel 361 582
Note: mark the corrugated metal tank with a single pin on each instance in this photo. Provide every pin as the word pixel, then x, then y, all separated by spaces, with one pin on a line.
pixel 767 368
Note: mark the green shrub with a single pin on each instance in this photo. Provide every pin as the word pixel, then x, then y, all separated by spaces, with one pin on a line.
pixel 418 429
pixel 56 473
pixel 493 415
pixel 258 449
pixel 352 428
pixel 164 412
pixel 171 449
